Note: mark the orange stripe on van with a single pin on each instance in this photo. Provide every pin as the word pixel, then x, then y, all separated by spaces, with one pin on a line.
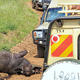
pixel 62 47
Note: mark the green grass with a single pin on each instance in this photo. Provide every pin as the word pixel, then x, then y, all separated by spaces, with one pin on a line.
pixel 17 20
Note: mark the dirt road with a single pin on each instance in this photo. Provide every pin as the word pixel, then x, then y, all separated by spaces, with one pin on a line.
pixel 27 44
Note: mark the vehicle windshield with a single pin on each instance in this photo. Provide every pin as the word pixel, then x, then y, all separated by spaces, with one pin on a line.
pixel 53 14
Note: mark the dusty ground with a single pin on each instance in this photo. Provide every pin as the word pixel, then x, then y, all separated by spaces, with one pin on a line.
pixel 27 44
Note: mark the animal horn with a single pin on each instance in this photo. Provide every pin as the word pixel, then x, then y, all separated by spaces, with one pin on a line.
pixel 22 54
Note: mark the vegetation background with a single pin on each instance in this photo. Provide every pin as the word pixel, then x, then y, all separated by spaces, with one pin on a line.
pixel 17 20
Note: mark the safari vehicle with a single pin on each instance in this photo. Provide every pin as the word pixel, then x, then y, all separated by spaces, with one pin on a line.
pixel 63 38
pixel 40 33
pixel 36 4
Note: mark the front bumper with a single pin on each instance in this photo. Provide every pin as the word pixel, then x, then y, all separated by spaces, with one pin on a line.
pixel 46 4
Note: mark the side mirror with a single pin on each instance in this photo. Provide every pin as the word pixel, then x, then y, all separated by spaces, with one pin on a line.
pixel 44 7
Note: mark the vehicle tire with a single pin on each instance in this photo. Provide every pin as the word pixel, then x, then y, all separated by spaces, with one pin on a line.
pixel 36 6
pixel 33 6
pixel 40 51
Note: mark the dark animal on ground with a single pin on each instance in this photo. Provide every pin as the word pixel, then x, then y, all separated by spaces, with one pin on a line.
pixel 13 63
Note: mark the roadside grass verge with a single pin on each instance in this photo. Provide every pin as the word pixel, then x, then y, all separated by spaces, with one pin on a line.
pixel 16 21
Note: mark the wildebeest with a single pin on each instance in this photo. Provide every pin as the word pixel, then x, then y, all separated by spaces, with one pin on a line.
pixel 13 63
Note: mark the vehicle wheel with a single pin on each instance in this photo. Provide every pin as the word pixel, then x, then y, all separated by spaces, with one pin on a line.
pixel 40 51
pixel 33 6
pixel 36 7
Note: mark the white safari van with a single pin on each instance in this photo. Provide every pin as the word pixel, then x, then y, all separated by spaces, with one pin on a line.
pixel 40 33
pixel 63 38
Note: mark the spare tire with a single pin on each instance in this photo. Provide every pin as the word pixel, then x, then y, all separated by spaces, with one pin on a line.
pixel 66 69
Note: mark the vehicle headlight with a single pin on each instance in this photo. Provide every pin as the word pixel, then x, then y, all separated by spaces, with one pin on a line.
pixel 38 34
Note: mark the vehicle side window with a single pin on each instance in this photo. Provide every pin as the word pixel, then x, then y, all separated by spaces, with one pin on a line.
pixel 79 47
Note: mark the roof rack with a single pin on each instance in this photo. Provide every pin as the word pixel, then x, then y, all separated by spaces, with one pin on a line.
pixel 67 8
